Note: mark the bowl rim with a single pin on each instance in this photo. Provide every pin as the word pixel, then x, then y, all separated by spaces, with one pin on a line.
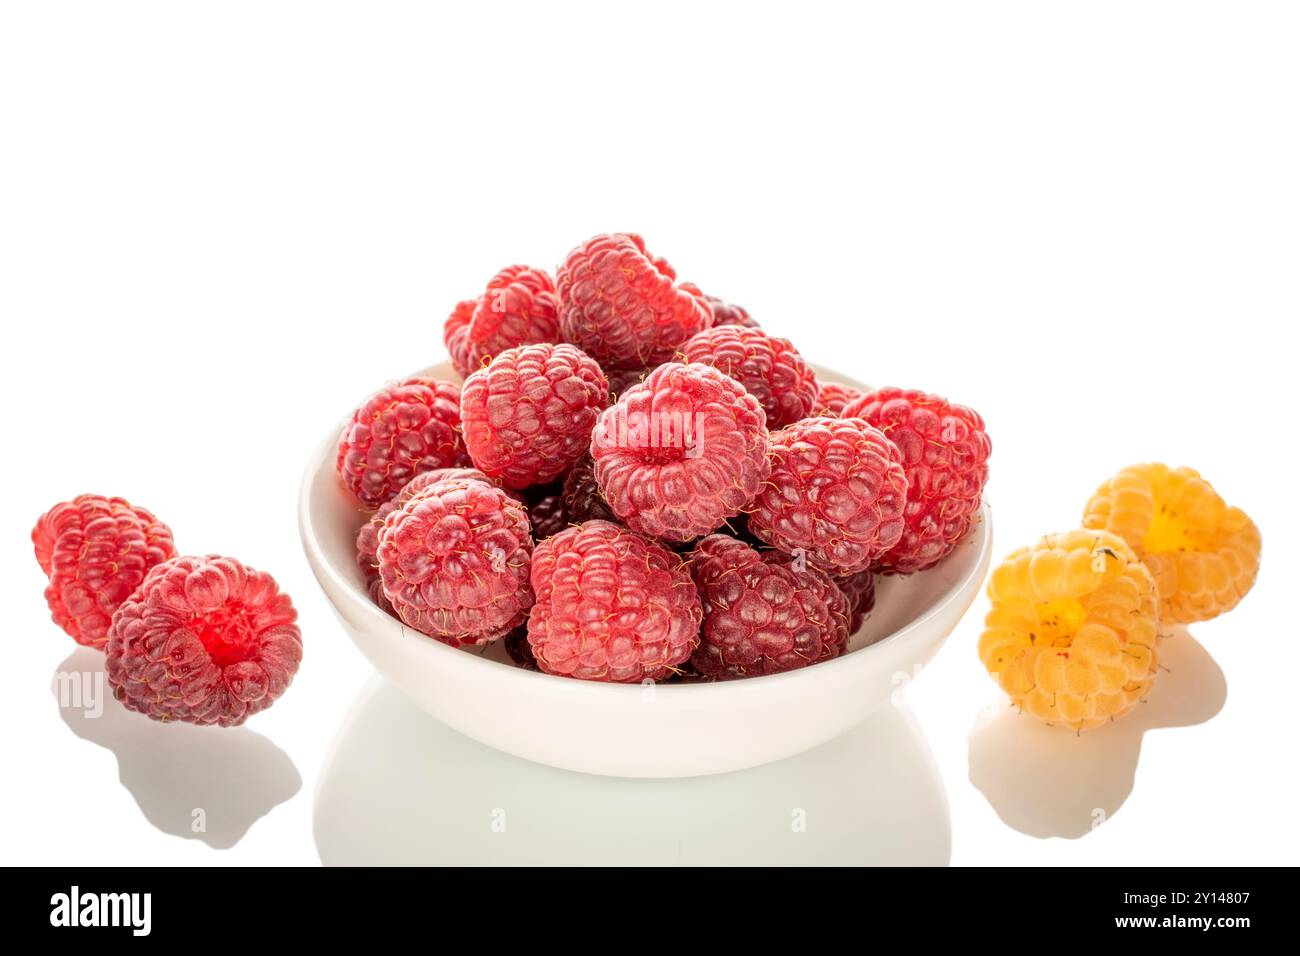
pixel 387 625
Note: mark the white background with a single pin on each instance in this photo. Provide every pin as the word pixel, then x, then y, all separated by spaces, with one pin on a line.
pixel 222 224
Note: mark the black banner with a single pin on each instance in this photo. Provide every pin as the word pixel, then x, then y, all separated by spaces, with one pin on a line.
pixel 1074 904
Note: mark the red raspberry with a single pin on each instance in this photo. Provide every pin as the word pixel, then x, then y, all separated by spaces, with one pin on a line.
pixel 763 613
pixel 454 561
pixel 455 335
pixel 860 589
pixel 546 516
pixel 622 307
pixel 528 416
pixel 398 432
pixel 368 536
pixel 832 397
pixel 945 454
pixel 611 606
pixel 726 313
pixel 681 452
pixel 205 640
pixel 770 369
pixel 519 308
pixel 836 494
pixel 95 552
pixel 582 496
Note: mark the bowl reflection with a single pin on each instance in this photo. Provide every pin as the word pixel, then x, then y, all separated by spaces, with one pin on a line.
pixel 400 788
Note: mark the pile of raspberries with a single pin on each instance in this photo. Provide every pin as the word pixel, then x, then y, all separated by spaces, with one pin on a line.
pixel 635 482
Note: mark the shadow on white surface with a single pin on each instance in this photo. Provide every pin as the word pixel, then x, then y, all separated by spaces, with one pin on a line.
pixel 1052 782
pixel 400 788
pixel 202 783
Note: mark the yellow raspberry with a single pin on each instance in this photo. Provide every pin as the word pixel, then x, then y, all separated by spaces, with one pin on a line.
pixel 1071 635
pixel 1203 554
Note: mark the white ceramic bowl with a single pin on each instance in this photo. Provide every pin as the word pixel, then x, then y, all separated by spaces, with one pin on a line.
pixel 632 730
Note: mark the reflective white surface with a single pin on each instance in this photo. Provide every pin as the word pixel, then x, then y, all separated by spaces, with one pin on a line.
pixel 398 787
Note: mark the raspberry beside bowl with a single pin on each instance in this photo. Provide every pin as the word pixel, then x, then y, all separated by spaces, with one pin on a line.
pixel 671 730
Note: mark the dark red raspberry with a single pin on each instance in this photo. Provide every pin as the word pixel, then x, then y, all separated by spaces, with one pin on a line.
pixel 623 379
pixel 611 606
pixel 368 536
pixel 832 397
pixel 95 552
pixel 763 612
pixel 205 640
pixel 835 495
pixel 454 561
pixel 623 307
pixel 546 515
pixel 727 313
pixel 398 432
pixel 519 308
pixel 945 455
pixel 860 589
pixel 581 495
pixel 519 650
pixel 770 369
pixel 841 610
pixel 681 452
pixel 528 416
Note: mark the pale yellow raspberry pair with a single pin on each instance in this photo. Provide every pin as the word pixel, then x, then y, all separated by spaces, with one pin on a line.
pixel 1071 634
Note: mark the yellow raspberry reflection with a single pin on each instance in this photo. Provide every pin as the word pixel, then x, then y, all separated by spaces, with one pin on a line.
pixel 1203 554
pixel 1071 633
